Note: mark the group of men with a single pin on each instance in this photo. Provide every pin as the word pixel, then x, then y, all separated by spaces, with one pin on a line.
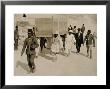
pixel 80 39
pixel 31 43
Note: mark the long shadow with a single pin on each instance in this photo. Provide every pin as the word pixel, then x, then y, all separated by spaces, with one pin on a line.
pixel 45 56
pixel 62 53
pixel 73 52
pixel 22 65
pixel 83 55
pixel 48 51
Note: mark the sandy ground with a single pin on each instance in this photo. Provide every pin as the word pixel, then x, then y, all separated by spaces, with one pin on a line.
pixel 74 65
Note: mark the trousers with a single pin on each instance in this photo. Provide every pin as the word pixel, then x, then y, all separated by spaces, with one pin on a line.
pixel 30 59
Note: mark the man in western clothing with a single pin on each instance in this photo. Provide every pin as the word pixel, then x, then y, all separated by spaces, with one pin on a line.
pixel 42 43
pixel 30 44
pixel 89 38
pixel 79 40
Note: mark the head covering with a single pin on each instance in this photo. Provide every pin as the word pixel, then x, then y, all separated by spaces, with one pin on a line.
pixel 33 27
pixel 79 29
pixel 70 31
pixel 89 31
pixel 24 15
pixel 56 32
pixel 74 26
pixel 16 27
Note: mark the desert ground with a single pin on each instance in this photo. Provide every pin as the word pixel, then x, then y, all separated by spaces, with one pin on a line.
pixel 73 65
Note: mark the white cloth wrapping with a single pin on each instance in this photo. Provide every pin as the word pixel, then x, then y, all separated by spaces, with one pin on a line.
pixel 38 48
pixel 61 43
pixel 69 42
pixel 55 45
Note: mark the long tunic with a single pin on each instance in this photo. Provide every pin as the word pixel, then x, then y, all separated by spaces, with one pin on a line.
pixel 55 45
pixel 69 42
pixel 61 43
pixel 38 48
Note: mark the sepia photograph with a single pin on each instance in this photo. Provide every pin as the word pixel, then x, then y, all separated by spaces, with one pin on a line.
pixel 55 44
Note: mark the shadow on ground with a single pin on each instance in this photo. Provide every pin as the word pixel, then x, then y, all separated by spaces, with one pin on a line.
pixel 22 65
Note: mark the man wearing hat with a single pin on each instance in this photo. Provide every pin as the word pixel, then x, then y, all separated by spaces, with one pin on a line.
pixel 89 38
pixel 82 28
pixel 70 28
pixel 16 37
pixel 30 44
pixel 69 41
pixel 55 47
pixel 79 40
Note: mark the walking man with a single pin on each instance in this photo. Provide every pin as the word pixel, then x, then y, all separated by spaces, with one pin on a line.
pixel 89 38
pixel 42 43
pixel 69 41
pixel 82 28
pixel 79 40
pixel 30 44
pixel 16 37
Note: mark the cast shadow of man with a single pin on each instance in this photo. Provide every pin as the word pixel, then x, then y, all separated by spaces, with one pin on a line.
pixel 45 56
pixel 22 65
pixel 83 55
pixel 46 53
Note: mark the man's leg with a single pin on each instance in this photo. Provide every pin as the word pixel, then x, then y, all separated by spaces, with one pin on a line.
pixel 32 62
pixel 87 50
pixel 41 47
pixel 44 45
pixel 90 52
pixel 16 44
pixel 77 47
pixel 28 60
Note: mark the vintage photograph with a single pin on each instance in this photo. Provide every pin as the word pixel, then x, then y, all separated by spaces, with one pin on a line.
pixel 55 44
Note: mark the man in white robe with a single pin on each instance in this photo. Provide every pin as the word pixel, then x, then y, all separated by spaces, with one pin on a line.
pixel 69 41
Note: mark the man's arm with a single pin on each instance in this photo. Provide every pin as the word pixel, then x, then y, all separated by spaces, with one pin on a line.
pixel 81 37
pixel 36 43
pixel 24 46
pixel 84 39
pixel 74 40
pixel 93 41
